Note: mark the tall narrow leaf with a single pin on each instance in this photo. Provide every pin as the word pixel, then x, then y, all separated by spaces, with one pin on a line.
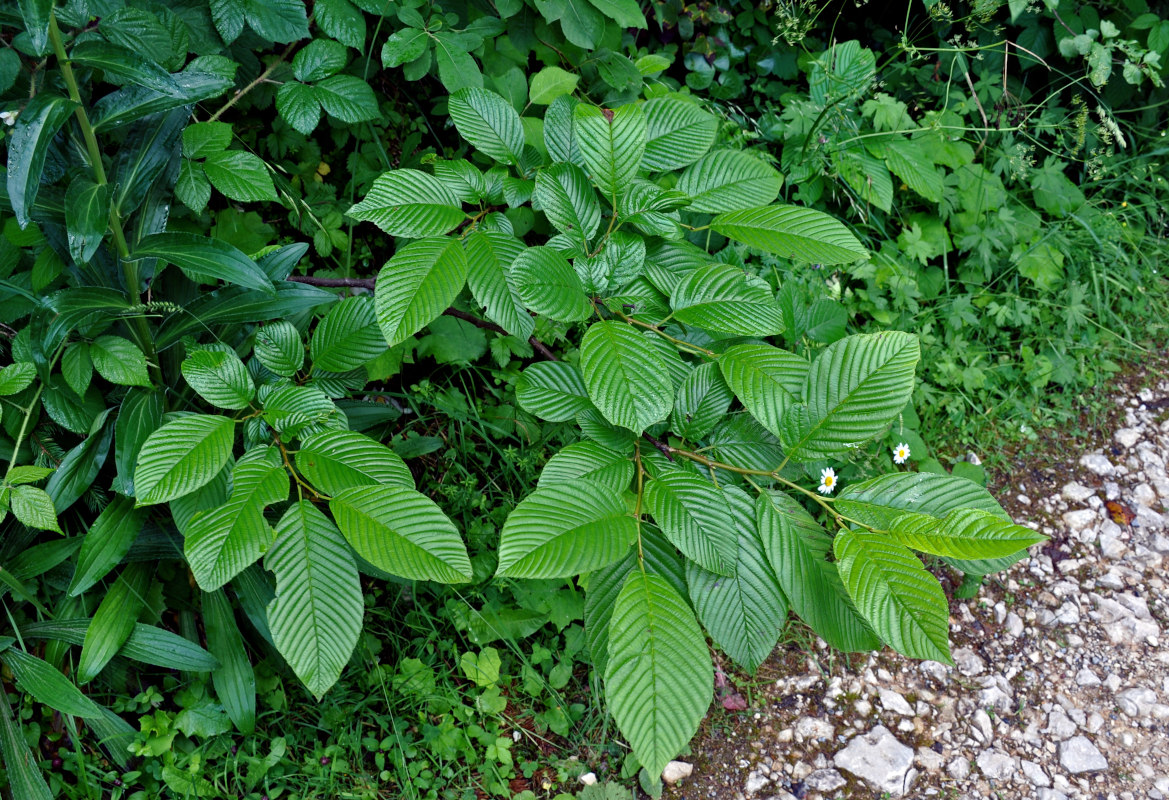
pixel 612 143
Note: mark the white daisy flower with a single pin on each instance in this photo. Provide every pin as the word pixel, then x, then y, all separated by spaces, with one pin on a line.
pixel 827 480
pixel 9 117
pixel 901 453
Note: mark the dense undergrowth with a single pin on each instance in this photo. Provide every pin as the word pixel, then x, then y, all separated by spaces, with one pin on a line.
pixel 703 240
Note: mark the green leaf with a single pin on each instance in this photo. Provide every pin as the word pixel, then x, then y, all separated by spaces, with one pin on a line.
pixel 403 532
pixel 122 65
pixel 456 69
pixel 347 97
pixel 409 203
pixel 106 542
pixel 33 507
pixel 625 13
pixel 340 20
pixel 881 500
pixel 678 133
pixel 702 400
pixel 548 285
pixel 334 461
pixel 113 622
pixel 695 516
pixel 561 530
pixel 87 216
pixel 139 416
pixel 37 15
pixel 489 259
pixel 550 83
pixel 222 542
pixel 279 348
pixel 80 467
pixel 659 680
pixel 319 59
pixel 744 614
pixel 147 644
pixel 298 105
pixel 489 123
pixel 417 285
pixel 16 377
pixel 964 533
pixel 854 389
pixel 404 46
pixel 234 680
pixel 203 138
pixel 24 776
pixel 240 176
pixel 27 473
pixel 182 456
pixel 582 24
pixel 625 376
pixel 797 549
pixel 560 130
pixel 48 685
pixel 203 258
pixel 316 617
pixel 552 390
pixel 723 299
pixel 612 144
pixel 193 189
pixel 220 378
pixel 901 600
pixel 726 180
pixel 792 232
pixel 590 461
pixel 767 380
pixel 143 155
pixel 291 409
pixel 28 147
pixel 347 337
pixel 119 361
pixel 280 21
pixel 568 200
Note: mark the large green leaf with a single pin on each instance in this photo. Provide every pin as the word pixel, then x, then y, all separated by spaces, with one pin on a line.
pixel 489 259
pixel 240 175
pixel 591 461
pixel 28 147
pixel 347 337
pixel 900 599
pixel 797 549
pixel 855 388
pixel 702 400
pixel 967 534
pixel 417 285
pixel 316 617
pixel 108 539
pixel 222 542
pixel 234 680
pixel 37 16
pixel 678 132
pixel 406 202
pixel 560 137
pixel 791 232
pixel 150 645
pixel 48 685
pixel 659 680
pixel 113 622
pixel 333 461
pixel 139 416
pixel 119 361
pixel 727 180
pixel 881 500
pixel 766 379
pixel 220 378
pixel 488 122
pixel 561 530
pixel 625 376
pixel 182 456
pixel 204 258
pixel 568 200
pixel 723 299
pixel 745 613
pixel 402 532
pixel 612 143
pixel 554 391
pixel 626 13
pixel 693 514
pixel 548 285
pixel 87 216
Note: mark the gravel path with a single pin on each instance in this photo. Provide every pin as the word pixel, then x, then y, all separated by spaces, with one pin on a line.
pixel 1061 683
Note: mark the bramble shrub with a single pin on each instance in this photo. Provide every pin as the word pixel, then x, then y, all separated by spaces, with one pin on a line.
pixel 181 387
